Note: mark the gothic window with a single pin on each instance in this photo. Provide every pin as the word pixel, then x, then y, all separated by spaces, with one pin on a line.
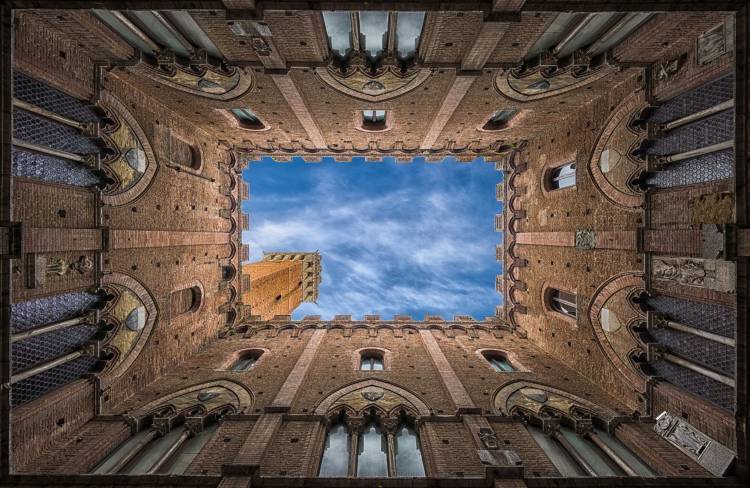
pixel 184 154
pixel 561 177
pixel 371 361
pixel 246 360
pixel 373 32
pixel 500 119
pixel 339 30
pixel 372 454
pixel 408 454
pixel 408 32
pixel 383 449
pixel 498 361
pixel 185 300
pixel 563 302
pixel 591 453
pixel 335 462
pixel 150 452
pixel 373 119
pixel 247 119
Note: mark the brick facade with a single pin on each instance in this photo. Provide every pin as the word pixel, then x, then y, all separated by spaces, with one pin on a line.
pixel 176 240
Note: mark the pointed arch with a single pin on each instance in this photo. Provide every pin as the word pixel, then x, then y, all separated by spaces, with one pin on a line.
pixel 533 396
pixel 391 394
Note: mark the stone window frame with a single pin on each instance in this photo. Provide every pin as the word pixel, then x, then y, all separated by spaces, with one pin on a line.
pixel 548 167
pixel 511 357
pixel 384 353
pixel 549 310
pixel 234 121
pixel 359 122
pixel 196 163
pixel 509 124
pixel 235 355
pixel 195 308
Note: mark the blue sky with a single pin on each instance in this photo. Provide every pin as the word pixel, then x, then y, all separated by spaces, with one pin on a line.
pixel 412 239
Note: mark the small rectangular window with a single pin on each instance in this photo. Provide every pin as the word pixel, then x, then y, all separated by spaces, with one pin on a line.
pixel 374 116
pixel 562 177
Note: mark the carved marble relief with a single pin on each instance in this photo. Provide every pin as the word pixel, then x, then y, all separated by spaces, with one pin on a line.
pixel 714 274
pixel 715 42
pixel 707 452
pixel 585 239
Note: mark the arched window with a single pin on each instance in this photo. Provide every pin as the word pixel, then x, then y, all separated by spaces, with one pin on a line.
pixel 149 452
pixel 563 302
pixel 372 452
pixel 335 461
pixel 561 177
pixel 500 119
pixel 371 361
pixel 374 119
pixel 593 453
pixel 246 360
pixel 247 119
pixel 380 451
pixel 408 454
pixel 185 300
pixel 498 361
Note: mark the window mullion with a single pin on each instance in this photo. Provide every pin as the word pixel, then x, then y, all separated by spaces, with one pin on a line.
pixel 133 452
pixel 169 454
pixel 611 454
pixel 582 463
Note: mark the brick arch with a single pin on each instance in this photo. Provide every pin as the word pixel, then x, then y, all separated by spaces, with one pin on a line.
pixel 617 122
pixel 338 83
pixel 245 82
pixel 508 85
pixel 239 396
pixel 325 405
pixel 152 311
pixel 504 403
pixel 109 101
pixel 602 294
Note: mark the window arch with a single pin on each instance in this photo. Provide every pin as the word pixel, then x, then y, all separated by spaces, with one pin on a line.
pixel 562 302
pixel 561 177
pixel 498 361
pixel 500 119
pixel 382 446
pixel 371 360
pixel 247 119
pixel 185 300
pixel 173 429
pixel 246 360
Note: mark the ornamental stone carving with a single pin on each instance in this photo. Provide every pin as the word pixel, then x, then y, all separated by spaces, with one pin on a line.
pixel 713 274
pixel 585 239
pixel 707 452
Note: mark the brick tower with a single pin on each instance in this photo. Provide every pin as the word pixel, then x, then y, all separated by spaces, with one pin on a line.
pixel 280 282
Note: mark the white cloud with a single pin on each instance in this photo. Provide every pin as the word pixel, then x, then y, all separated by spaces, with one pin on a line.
pixel 401 249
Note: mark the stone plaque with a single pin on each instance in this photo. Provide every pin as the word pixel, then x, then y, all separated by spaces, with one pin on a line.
pixel 714 274
pixel 713 456
pixel 714 42
pixel 585 239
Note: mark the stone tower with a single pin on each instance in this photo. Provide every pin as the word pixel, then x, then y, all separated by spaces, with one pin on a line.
pixel 280 282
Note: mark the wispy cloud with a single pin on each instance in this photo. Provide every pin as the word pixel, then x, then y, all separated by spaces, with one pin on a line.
pixel 415 239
